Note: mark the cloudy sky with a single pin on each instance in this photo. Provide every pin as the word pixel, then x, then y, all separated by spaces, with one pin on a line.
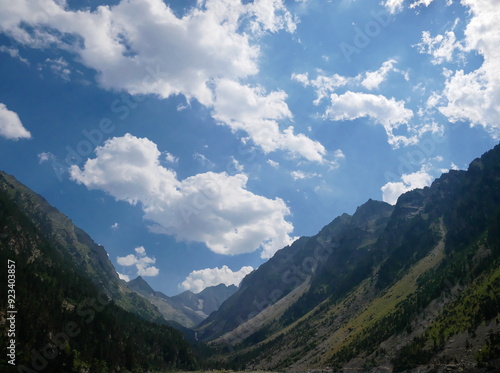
pixel 194 139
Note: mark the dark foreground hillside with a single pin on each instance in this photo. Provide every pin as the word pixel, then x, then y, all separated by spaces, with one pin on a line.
pixel 66 320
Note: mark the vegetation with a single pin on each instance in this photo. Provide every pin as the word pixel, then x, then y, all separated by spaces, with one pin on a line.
pixel 64 322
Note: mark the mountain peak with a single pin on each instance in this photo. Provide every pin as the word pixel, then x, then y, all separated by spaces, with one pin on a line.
pixel 370 212
pixel 140 285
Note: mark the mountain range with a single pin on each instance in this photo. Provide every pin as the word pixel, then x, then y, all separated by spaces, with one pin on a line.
pixel 188 309
pixel 390 288
pixel 409 287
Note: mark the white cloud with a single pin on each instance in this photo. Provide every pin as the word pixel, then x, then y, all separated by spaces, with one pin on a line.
pixel 131 45
pixel 440 47
pixel 323 85
pixel 299 175
pixel 374 78
pixel 271 15
pixel 196 281
pixel 10 125
pixel 473 97
pixel 45 157
pixel 128 260
pixel 352 104
pixel 140 250
pixel 392 190
pixel 273 164
pixel 252 110
pixel 394 6
pixel 387 112
pixel 433 100
pixel 237 166
pixel 141 261
pixel 115 226
pixel 417 3
pixel 123 277
pixel 59 67
pixel 214 208
pixel 14 53
pixel 170 158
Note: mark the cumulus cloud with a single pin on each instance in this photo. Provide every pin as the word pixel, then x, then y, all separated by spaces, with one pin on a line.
pixel 252 110
pixel 170 158
pixel 214 208
pixel 322 84
pixel 10 125
pixel 373 79
pixel 141 261
pixel 440 47
pixel 352 104
pixel 392 190
pixel 45 157
pixel 115 226
pixel 196 281
pixel 271 15
pixel 130 46
pixel 473 97
pixel 418 3
pixel 393 6
pixel 387 112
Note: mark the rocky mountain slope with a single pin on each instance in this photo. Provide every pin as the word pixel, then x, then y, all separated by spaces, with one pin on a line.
pixel 410 287
pixel 188 309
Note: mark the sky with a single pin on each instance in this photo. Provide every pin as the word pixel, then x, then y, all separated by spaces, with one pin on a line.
pixel 194 139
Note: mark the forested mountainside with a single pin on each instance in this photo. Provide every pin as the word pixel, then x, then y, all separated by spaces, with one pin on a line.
pixel 414 286
pixel 73 313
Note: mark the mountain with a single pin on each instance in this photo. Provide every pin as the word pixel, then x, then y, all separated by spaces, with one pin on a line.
pixel 73 314
pixel 188 309
pixel 410 287
pixel 75 244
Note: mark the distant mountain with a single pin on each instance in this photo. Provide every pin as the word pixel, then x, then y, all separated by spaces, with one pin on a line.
pixel 188 309
pixel 410 287
pixel 139 285
pixel 73 312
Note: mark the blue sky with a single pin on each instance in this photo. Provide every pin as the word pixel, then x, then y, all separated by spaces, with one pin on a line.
pixel 194 139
